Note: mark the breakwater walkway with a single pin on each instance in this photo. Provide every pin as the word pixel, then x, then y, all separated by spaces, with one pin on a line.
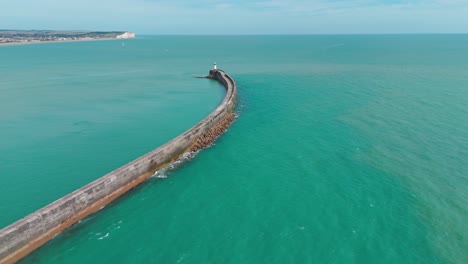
pixel 29 233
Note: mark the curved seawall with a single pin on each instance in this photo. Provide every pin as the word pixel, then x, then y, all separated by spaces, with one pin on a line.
pixel 24 236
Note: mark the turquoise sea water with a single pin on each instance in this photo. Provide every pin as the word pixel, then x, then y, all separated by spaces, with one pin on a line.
pixel 348 149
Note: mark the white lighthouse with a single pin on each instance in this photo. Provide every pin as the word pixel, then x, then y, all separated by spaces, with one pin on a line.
pixel 214 66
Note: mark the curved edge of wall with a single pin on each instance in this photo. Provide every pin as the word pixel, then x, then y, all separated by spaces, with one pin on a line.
pixel 29 233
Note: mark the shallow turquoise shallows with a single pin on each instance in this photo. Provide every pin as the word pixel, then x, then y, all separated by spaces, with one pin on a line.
pixel 347 149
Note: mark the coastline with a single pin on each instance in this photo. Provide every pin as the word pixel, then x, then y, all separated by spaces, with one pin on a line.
pixel 7 44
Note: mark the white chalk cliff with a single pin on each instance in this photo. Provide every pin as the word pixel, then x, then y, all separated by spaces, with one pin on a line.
pixel 126 35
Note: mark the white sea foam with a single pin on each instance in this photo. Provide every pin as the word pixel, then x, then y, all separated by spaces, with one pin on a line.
pixel 163 173
pixel 106 235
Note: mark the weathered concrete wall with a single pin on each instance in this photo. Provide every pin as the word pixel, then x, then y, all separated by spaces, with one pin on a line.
pixel 22 237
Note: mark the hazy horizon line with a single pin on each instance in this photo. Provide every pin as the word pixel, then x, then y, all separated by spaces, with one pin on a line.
pixel 244 34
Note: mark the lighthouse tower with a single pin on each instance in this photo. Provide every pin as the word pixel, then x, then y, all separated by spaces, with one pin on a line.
pixel 215 67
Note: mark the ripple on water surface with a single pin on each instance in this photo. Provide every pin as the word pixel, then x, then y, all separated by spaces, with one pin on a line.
pixel 349 153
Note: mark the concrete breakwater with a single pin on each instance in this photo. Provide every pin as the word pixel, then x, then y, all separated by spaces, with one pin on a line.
pixel 27 234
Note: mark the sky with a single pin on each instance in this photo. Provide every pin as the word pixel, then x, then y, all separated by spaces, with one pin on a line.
pixel 239 17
